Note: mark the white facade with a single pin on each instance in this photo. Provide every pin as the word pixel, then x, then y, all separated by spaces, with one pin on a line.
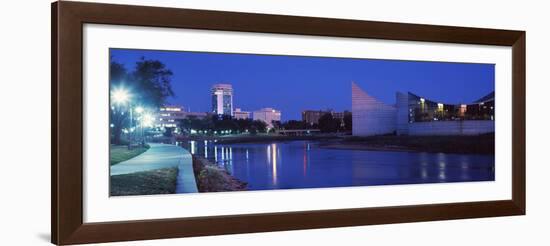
pixel 267 115
pixel 241 115
pixel 403 113
pixel 222 99
pixel 370 117
pixel 169 115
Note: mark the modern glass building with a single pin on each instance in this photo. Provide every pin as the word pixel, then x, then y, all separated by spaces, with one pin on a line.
pixel 222 99
pixel 422 110
pixel 416 115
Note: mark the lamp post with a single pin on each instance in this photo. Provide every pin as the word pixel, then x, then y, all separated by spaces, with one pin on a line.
pixel 147 120
pixel 121 96
pixel 139 110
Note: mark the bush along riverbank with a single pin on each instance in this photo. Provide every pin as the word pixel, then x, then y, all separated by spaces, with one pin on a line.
pixel 158 181
pixel 211 178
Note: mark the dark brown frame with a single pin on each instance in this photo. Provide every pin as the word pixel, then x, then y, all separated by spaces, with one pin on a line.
pixel 66 219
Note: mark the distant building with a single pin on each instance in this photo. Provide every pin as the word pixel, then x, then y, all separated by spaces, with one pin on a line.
pixel 222 99
pixel 312 117
pixel 415 115
pixel 168 115
pixel 267 115
pixel 241 115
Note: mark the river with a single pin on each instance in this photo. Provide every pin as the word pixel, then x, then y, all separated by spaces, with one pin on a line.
pixel 304 164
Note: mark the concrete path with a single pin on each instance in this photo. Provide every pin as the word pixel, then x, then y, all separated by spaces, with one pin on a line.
pixel 162 156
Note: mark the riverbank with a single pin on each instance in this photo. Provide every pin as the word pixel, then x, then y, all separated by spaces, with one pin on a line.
pixel 211 178
pixel 158 181
pixel 230 139
pixel 479 144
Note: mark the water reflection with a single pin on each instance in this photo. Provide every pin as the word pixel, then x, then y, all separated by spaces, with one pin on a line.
pixel 274 163
pixel 193 147
pixel 306 165
pixel 205 149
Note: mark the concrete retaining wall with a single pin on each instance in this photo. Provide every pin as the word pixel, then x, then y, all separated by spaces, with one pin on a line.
pixel 468 127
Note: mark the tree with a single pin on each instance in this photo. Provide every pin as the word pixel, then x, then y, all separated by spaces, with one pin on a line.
pixel 348 121
pixel 276 124
pixel 168 132
pixel 118 115
pixel 327 123
pixel 259 126
pixel 149 85
pixel 192 122
pixel 224 123
pixel 294 125
pixel 243 124
pixel 151 81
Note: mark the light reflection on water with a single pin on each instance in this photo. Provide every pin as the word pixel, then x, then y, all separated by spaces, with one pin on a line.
pixel 303 164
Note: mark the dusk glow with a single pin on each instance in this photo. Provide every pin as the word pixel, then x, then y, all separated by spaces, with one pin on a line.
pixel 218 122
pixel 293 84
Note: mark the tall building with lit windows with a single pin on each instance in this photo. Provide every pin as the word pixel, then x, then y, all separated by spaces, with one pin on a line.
pixel 169 115
pixel 222 99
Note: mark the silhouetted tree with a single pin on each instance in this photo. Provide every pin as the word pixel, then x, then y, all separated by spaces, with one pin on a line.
pixel 168 131
pixel 148 85
pixel 259 126
pixel 327 123
pixel 348 121
pixel 151 81
pixel 118 115
pixel 294 125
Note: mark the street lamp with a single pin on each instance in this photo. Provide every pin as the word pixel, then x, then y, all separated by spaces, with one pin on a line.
pixel 120 96
pixel 147 120
pixel 139 110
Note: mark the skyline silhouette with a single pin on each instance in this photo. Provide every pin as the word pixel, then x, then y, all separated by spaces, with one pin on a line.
pixel 292 84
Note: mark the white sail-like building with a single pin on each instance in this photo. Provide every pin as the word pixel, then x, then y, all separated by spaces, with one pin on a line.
pixel 370 116
pixel 415 115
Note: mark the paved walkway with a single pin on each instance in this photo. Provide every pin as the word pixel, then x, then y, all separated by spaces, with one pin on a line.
pixel 162 156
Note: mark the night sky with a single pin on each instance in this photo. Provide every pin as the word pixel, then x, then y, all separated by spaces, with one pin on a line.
pixel 294 83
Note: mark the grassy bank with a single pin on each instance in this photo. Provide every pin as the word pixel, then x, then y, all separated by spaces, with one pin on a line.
pixel 120 153
pixel 211 178
pixel 159 181
pixel 479 144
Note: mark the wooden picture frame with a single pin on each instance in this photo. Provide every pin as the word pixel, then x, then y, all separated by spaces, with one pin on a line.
pixel 67 122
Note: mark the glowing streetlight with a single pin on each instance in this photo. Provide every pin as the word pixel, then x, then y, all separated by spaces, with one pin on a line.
pixel 120 96
pixel 139 109
pixel 147 120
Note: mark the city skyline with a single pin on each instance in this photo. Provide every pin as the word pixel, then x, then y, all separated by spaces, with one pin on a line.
pixel 291 84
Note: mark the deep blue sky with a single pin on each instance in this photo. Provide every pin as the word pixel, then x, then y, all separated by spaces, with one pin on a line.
pixel 293 83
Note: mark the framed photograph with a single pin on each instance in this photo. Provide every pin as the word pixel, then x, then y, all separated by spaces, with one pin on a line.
pixel 175 122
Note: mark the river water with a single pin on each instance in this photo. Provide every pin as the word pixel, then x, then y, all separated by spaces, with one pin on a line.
pixel 304 164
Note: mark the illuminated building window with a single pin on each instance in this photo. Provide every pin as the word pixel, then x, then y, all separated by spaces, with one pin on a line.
pixel 440 107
